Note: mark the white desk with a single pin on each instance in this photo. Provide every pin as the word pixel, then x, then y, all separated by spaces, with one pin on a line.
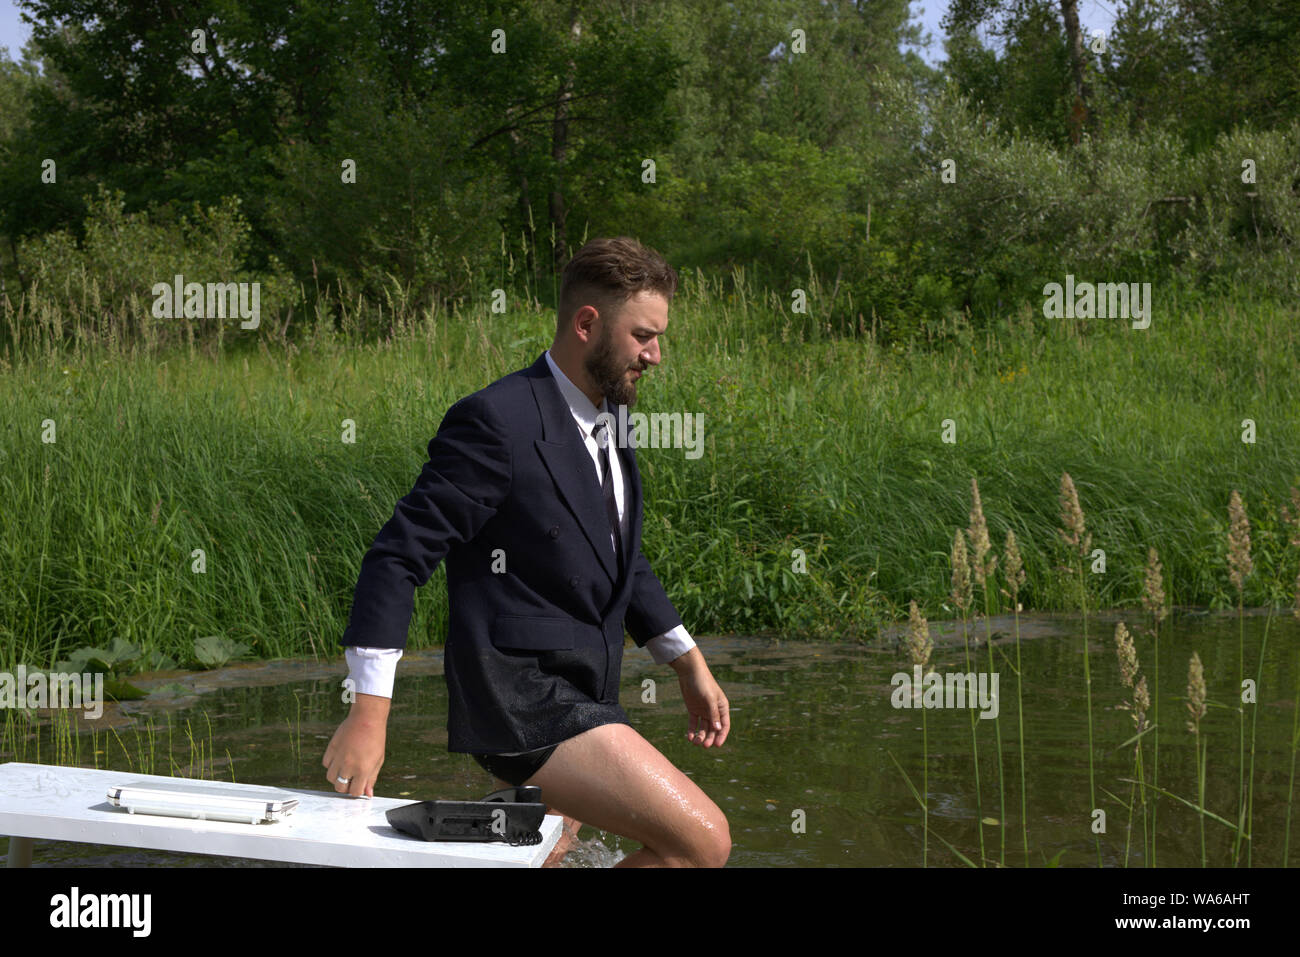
pixel 45 802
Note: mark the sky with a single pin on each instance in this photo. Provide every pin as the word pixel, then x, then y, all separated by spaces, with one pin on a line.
pixel 13 32
pixel 1093 14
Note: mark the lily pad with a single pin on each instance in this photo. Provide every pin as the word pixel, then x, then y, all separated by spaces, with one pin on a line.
pixel 157 661
pixel 213 651
pixel 88 659
pixel 121 690
pixel 120 653
pixel 123 651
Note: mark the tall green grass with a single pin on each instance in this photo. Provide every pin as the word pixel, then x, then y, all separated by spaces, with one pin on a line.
pixel 60 740
pixel 828 445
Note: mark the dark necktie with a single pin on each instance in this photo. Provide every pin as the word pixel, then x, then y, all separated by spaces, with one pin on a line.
pixel 607 490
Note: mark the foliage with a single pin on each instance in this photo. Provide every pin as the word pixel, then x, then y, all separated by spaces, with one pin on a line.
pixel 213 651
pixel 794 144
pixel 124 254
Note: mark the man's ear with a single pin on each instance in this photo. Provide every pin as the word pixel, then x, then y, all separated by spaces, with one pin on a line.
pixel 586 324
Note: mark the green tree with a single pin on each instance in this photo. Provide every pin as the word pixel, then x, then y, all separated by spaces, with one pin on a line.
pixel 1041 84
pixel 420 215
pixel 16 159
pixel 1243 69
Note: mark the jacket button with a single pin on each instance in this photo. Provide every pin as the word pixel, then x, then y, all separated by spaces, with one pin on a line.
pixel 573 582
pixel 554 531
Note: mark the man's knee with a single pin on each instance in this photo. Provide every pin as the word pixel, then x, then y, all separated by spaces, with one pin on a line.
pixel 707 845
pixel 719 844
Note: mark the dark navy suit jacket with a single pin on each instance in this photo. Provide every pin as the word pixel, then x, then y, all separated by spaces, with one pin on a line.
pixel 533 653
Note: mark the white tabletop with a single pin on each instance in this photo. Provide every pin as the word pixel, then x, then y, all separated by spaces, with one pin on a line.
pixel 71 804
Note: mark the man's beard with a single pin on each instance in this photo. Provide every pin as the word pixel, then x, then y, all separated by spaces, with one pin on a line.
pixel 610 375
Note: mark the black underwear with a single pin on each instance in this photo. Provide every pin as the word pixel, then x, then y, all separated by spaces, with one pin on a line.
pixel 515 769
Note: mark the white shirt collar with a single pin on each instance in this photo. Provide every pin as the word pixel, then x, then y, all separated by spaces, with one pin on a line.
pixel 584 413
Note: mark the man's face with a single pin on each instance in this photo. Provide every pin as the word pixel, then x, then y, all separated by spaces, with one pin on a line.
pixel 628 344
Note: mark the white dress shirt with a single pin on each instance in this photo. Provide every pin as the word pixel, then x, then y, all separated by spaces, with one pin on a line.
pixel 372 670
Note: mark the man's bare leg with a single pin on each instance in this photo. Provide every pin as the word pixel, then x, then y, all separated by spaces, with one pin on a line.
pixel 569 829
pixel 615 780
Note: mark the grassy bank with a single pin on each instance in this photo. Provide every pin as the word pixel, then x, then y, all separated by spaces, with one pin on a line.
pixel 833 446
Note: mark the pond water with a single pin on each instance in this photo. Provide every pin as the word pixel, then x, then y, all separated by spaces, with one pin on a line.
pixel 813 742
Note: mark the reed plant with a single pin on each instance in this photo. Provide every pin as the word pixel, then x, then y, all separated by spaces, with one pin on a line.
pixel 1196 706
pixel 1240 565
pixel 983 561
pixel 22 736
pixel 1077 538
pixel 1138 707
pixel 919 647
pixel 962 598
pixel 1014 572
pixel 15 733
pixel 1153 603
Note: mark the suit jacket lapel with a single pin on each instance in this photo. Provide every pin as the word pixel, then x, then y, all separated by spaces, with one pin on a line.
pixel 633 474
pixel 566 457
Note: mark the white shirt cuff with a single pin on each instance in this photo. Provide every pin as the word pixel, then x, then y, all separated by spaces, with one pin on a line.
pixel 372 670
pixel 671 644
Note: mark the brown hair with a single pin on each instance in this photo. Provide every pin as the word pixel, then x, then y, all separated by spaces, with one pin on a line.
pixel 606 273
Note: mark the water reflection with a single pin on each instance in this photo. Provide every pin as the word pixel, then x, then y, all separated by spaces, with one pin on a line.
pixel 813 731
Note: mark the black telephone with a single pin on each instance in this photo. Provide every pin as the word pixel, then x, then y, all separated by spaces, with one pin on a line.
pixel 512 815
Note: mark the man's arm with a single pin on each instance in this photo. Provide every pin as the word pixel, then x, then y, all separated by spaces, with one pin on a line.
pixel 372 672
pixel 461 486
pixel 649 612
pixel 463 483
pixel 706 704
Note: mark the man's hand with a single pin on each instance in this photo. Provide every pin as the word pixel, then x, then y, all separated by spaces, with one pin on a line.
pixel 705 702
pixel 356 752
